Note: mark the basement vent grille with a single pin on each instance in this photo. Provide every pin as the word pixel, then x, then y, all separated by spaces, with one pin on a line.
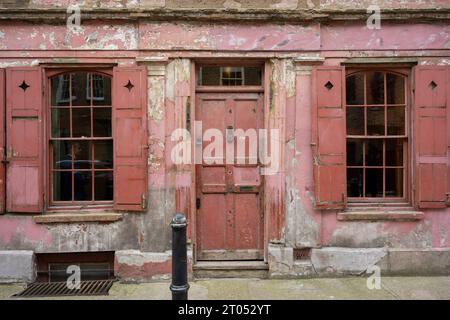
pixel 60 289
pixel 302 254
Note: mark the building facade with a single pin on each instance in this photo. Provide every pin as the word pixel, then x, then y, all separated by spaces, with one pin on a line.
pixel 117 114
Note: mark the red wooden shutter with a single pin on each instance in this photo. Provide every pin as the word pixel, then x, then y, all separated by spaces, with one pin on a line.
pixel 2 139
pixel 328 137
pixel 130 138
pixel 431 135
pixel 24 185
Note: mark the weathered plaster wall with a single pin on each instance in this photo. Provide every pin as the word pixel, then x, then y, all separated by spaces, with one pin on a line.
pixel 432 232
pixel 92 35
pixel 169 77
pixel 232 4
pixel 136 231
pixel 283 38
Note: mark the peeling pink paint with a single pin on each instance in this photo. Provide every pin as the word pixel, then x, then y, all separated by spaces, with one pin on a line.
pixel 122 42
pixel 356 36
pixel 229 37
pixel 25 228
pixel 92 35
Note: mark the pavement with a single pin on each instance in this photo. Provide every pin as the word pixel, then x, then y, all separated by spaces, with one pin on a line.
pixel 392 288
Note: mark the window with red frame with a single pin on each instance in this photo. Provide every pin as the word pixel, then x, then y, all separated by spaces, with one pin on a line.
pixel 81 155
pixel 377 135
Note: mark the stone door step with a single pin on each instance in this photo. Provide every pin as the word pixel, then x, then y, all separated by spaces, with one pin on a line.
pixel 231 269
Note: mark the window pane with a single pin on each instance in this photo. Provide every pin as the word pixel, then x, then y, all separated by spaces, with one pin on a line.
pixel 101 90
pixel 375 88
pixel 374 183
pixel 355 121
pixel 209 76
pixel 375 121
pixel 82 155
pixel 61 90
pixel 374 153
pixel 394 152
pixel 395 86
pixel 62 186
pixel 354 152
pixel 396 120
pixel 394 182
pixel 103 155
pixel 81 122
pixel 80 95
pixel 104 186
pixel 355 89
pixel 253 76
pixel 355 182
pixel 62 155
pixel 102 122
pixel 60 122
pixel 230 76
pixel 82 185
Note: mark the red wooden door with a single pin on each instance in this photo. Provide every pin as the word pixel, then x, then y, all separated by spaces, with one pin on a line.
pixel 229 207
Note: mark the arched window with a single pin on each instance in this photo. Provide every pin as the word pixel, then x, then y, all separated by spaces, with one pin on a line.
pixel 377 135
pixel 81 157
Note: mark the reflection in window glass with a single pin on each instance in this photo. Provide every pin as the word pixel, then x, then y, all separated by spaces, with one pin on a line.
pixel 79 91
pixel 104 154
pixel 374 183
pixel 355 121
pixel 230 76
pixel 375 87
pixel 103 186
pixel 355 182
pixel 102 122
pixel 81 122
pixel 82 168
pixel 375 121
pixel 375 154
pixel 355 89
pixel 395 86
pixel 354 152
pixel 394 152
pixel 396 121
pixel 60 90
pixel 60 122
pixel 394 182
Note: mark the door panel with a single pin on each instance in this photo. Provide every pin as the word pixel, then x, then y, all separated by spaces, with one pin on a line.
pixel 230 220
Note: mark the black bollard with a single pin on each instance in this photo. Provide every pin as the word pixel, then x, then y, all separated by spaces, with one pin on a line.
pixel 179 286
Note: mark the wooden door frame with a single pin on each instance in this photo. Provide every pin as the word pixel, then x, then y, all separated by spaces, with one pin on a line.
pixel 192 227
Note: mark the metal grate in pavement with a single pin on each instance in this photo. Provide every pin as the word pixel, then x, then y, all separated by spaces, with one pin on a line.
pixel 60 289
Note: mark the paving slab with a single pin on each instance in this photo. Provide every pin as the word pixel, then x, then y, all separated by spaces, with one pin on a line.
pixel 354 288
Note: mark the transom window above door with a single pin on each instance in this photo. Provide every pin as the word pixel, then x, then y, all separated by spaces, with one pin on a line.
pixel 377 135
pixel 230 76
pixel 81 143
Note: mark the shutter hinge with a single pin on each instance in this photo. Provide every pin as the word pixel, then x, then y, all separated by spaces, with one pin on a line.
pixel 447 199
pixel 143 201
pixel 3 155
pixel 7 155
pixel 197 203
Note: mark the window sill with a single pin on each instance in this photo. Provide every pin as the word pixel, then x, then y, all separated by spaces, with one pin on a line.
pixel 380 215
pixel 77 217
